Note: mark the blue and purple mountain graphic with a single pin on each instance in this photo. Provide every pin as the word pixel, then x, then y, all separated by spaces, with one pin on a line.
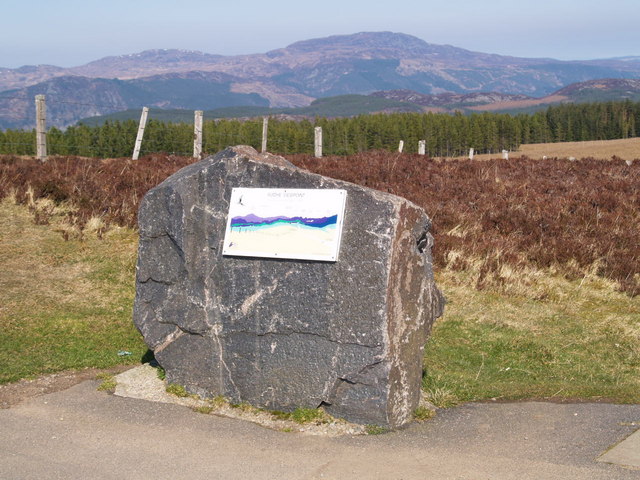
pixel 252 220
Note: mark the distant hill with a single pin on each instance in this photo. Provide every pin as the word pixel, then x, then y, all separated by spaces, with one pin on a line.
pixel 71 98
pixel 294 76
pixel 600 90
pixel 450 101
pixel 406 101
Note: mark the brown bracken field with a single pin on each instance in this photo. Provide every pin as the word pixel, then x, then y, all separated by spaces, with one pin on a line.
pixel 496 216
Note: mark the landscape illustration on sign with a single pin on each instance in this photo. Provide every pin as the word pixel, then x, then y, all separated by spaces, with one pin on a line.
pixel 285 223
pixel 255 222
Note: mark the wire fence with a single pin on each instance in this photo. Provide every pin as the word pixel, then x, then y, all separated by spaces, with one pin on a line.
pixel 441 134
pixel 340 137
pixel 117 139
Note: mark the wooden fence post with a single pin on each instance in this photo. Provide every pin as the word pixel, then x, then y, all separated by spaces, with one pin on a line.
pixel 265 127
pixel 197 135
pixel 41 128
pixel 143 123
pixel 317 142
pixel 401 146
pixel 422 147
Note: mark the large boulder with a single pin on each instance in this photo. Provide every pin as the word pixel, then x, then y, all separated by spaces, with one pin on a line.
pixel 281 334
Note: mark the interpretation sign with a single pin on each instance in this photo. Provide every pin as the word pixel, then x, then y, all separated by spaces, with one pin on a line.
pixel 304 224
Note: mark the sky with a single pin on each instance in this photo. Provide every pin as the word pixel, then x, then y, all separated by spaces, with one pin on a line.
pixel 69 33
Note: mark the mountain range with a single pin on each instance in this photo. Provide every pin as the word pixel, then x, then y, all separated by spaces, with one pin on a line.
pixel 398 65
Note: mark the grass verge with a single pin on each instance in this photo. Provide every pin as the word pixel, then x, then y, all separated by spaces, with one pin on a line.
pixel 63 304
pixel 67 305
pixel 578 340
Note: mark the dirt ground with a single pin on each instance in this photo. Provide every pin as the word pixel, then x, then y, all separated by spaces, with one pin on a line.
pixel 13 393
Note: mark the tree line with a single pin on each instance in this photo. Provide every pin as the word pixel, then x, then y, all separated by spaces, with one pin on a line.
pixel 445 134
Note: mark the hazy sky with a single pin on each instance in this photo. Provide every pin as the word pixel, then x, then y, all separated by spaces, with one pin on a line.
pixel 73 32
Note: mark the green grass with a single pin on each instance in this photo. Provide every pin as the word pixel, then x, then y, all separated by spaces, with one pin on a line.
pixel 177 390
pixel 204 409
pixel 245 407
pixel 109 382
pixel 63 304
pixel 162 374
pixel 423 413
pixel 376 430
pixel 303 415
pixel 582 341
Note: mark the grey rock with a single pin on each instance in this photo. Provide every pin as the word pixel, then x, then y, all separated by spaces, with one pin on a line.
pixel 282 334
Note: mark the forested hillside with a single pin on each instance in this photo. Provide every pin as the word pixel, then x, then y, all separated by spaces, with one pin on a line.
pixel 445 134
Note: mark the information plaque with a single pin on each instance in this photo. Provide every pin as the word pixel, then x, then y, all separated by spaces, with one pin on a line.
pixel 304 224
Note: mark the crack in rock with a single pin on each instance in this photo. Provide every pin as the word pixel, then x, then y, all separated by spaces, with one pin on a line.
pixel 172 337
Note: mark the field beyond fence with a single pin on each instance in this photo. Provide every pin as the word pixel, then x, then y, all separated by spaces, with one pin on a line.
pixel 627 149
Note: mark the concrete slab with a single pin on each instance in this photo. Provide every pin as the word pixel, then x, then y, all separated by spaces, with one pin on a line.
pixel 626 453
pixel 143 383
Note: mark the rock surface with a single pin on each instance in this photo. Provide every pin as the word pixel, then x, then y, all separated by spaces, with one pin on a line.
pixel 283 334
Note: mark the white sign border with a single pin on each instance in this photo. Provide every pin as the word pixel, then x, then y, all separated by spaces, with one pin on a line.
pixel 340 202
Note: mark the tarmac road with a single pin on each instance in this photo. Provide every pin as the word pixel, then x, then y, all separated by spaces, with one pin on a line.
pixel 81 433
